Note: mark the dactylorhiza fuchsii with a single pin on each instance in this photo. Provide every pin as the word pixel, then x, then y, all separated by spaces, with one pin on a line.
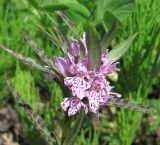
pixel 90 88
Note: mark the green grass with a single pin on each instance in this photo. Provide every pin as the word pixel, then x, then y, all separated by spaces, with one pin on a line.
pixel 140 65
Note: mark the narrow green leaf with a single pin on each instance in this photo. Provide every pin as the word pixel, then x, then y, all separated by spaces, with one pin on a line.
pixel 130 105
pixel 63 39
pixel 59 32
pixel 108 37
pixel 64 44
pixel 72 136
pixel 35 119
pixel 28 61
pixel 40 53
pixel 121 48
pixel 68 23
pixel 50 37
pixel 73 6
pixel 53 7
pixel 118 9
pixel 94 47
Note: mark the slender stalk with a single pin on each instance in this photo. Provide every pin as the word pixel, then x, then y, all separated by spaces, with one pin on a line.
pixel 71 138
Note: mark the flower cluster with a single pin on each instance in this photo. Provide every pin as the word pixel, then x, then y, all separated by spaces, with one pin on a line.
pixel 90 88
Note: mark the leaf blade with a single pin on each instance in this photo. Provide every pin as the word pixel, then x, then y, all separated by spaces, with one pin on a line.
pixel 108 37
pixel 40 52
pixel 28 61
pixel 121 48
pixel 94 47
pixel 130 105
pixel 76 7
pixel 68 23
pixel 35 119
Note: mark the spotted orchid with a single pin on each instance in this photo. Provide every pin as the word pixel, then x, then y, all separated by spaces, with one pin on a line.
pixel 89 88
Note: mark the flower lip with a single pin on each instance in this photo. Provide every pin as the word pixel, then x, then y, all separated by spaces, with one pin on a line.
pixel 73 105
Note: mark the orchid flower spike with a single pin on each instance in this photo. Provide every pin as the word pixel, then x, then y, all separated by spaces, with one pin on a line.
pixel 90 88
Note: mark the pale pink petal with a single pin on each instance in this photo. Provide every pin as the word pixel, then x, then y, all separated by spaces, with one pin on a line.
pixel 84 107
pixel 72 111
pixel 115 94
pixel 85 61
pixel 69 81
pixel 65 104
pixel 75 106
pixel 92 95
pixel 78 69
pixel 84 42
pixel 62 65
pixel 78 86
pixel 107 66
pixel 78 91
pixel 93 105
pixel 104 57
pixel 81 70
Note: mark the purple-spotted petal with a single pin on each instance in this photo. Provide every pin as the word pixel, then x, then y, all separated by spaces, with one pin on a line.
pixel 68 81
pixel 92 95
pixel 65 104
pixel 93 105
pixel 78 86
pixel 107 66
pixel 62 65
pixel 79 92
pixel 84 107
pixel 75 106
pixel 78 69
pixel 72 111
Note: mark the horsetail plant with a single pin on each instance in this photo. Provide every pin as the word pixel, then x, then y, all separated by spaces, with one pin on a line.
pixel 83 75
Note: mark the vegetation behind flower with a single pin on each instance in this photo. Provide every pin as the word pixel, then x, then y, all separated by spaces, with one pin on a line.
pixel 92 42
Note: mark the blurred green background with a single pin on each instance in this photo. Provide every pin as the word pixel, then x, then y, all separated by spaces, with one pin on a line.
pixel 139 76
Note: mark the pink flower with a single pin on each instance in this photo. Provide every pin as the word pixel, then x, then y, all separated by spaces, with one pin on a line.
pixel 107 66
pixel 84 83
pixel 78 69
pixel 70 64
pixel 78 86
pixel 74 104
pixel 99 93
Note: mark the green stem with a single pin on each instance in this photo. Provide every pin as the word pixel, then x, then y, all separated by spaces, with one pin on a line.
pixel 71 138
